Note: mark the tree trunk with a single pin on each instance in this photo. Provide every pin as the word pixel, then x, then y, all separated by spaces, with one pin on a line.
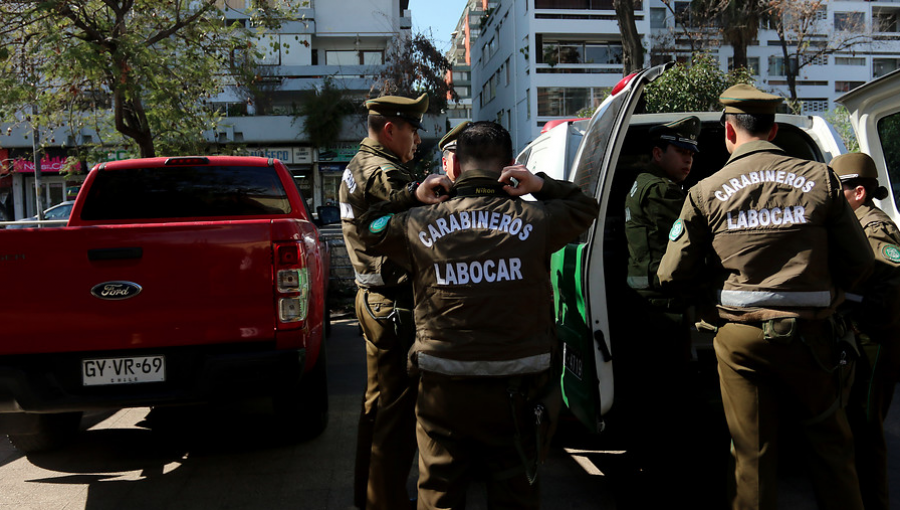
pixel 632 49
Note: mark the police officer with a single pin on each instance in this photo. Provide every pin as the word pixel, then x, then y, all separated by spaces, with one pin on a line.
pixel 652 364
pixel 447 146
pixel 486 342
pixel 386 443
pixel 875 313
pixel 778 240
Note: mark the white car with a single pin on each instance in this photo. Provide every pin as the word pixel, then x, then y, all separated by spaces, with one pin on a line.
pixel 57 213
pixel 596 310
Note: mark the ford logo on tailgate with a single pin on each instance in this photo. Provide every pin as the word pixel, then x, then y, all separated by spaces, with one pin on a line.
pixel 115 291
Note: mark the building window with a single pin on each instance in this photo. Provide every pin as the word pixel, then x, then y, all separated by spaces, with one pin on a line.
pixel 882 66
pixel 854 21
pixel 683 14
pixel 505 71
pixel 372 58
pixel 819 60
pixel 585 5
pixel 580 52
pixel 460 76
pixel 777 67
pixel 341 58
pixel 528 103
pixel 658 17
pixel 886 21
pixel 849 61
pixel 752 65
pixel 819 104
pixel 846 86
pixel 566 102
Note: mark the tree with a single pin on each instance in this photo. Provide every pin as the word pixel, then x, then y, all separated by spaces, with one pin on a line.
pixel 632 48
pixel 323 113
pixel 740 26
pixel 140 71
pixel 804 40
pixel 693 87
pixel 414 66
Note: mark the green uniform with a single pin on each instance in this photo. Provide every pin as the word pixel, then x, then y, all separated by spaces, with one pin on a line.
pixel 386 445
pixel 651 207
pixel 875 311
pixel 651 364
pixel 775 235
pixel 485 339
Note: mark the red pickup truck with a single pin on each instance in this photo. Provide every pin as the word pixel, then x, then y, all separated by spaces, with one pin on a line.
pixel 176 280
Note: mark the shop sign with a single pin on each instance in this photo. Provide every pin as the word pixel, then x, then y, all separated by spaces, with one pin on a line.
pixel 48 165
pixel 119 155
pixel 342 151
pixel 303 155
pixel 332 167
pixel 283 154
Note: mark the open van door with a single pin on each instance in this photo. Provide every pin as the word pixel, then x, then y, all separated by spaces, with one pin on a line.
pixel 578 271
pixel 875 114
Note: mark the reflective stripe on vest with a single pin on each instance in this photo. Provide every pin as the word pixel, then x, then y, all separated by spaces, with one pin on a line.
pixel 347 211
pixel 370 280
pixel 529 365
pixel 747 298
pixel 856 298
pixel 638 282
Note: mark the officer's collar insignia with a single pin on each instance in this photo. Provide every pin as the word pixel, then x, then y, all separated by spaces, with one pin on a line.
pixel 380 224
pixel 678 229
pixel 891 252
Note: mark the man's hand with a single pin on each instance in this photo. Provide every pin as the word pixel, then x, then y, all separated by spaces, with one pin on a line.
pixel 519 181
pixel 433 189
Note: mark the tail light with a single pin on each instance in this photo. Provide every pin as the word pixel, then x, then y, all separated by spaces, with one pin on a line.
pixel 291 282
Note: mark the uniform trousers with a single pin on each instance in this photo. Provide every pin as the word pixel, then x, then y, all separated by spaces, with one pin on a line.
pixel 386 441
pixel 763 380
pixel 870 398
pixel 466 429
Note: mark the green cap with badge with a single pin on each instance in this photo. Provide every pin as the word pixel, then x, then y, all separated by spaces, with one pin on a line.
pixel 680 133
pixel 744 98
pixel 856 165
pixel 448 142
pixel 406 108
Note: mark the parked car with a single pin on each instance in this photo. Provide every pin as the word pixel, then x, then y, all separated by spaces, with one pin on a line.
pixel 58 212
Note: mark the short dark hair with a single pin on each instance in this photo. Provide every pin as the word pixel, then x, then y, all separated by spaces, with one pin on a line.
pixel 485 143
pixel 755 124
pixel 376 122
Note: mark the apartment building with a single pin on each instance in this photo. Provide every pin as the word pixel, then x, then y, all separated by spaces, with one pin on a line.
pixel 327 42
pixel 540 60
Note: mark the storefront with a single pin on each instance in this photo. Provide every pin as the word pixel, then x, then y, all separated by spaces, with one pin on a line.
pixel 299 161
pixel 17 198
pixel 331 161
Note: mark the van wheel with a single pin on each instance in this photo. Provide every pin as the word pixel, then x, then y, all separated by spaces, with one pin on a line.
pixel 52 431
pixel 301 412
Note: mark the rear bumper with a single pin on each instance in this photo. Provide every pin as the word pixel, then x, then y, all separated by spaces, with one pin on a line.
pixel 52 383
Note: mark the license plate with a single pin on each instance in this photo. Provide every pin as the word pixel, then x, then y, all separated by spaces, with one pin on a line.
pixel 128 370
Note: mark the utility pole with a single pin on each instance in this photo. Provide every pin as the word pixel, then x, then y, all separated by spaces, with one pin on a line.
pixel 36 153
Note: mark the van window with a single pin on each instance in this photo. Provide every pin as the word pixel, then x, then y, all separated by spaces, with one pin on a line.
pixel 889 134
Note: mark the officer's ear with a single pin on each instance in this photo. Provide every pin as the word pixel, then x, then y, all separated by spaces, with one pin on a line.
pixel 773 131
pixel 657 153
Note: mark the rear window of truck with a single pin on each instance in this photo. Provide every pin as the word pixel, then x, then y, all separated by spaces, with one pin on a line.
pixel 185 192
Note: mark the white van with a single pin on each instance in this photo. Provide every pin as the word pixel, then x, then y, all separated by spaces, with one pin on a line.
pixel 596 310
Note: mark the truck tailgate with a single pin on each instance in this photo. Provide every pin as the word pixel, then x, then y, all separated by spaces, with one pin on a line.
pixel 201 283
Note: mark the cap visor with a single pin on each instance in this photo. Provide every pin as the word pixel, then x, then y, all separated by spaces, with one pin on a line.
pixel 688 146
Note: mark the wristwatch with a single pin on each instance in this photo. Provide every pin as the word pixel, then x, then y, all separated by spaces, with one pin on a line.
pixel 412 187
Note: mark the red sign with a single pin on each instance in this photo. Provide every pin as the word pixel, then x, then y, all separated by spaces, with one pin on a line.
pixel 48 164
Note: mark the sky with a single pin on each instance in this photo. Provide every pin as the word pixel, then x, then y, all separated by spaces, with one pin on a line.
pixel 440 16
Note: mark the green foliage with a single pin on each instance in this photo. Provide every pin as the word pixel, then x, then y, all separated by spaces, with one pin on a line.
pixel 840 119
pixel 414 66
pixel 139 72
pixel 889 134
pixel 323 114
pixel 693 87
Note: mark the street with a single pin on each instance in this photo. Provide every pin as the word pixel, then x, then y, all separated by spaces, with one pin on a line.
pixel 225 458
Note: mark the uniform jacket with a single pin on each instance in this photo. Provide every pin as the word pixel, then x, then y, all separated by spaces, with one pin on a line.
pixel 480 266
pixel 651 207
pixel 784 237
pixel 374 174
pixel 879 311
